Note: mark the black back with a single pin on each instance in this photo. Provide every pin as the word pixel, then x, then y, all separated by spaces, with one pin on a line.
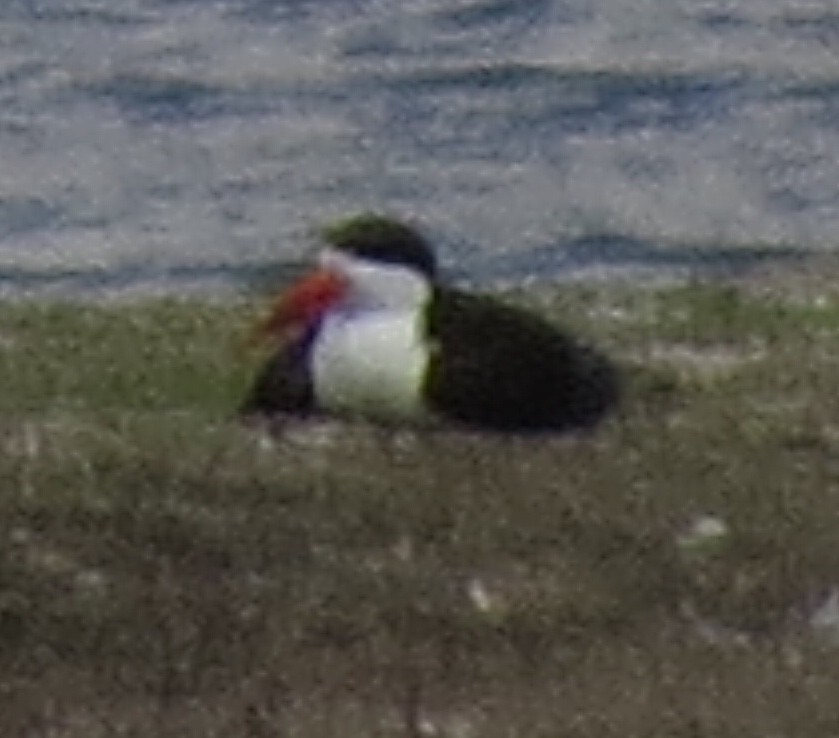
pixel 382 239
pixel 501 368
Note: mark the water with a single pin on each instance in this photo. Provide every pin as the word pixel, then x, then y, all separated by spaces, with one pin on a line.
pixel 171 145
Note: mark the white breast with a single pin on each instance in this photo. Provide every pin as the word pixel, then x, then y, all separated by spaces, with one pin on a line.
pixel 371 363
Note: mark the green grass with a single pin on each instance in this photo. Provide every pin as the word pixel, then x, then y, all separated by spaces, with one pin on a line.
pixel 167 572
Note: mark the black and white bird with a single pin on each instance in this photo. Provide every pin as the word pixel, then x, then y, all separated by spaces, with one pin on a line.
pixel 371 333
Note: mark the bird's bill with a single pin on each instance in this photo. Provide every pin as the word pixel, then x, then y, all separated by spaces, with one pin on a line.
pixel 303 305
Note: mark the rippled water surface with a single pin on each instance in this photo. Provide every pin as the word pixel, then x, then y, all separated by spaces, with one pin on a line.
pixel 151 145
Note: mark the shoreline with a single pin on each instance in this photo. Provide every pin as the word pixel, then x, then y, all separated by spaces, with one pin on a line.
pixel 695 267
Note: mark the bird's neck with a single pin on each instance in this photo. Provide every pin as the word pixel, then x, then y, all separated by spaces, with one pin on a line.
pixel 377 286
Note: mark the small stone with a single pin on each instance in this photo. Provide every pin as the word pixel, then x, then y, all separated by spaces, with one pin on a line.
pixel 705 532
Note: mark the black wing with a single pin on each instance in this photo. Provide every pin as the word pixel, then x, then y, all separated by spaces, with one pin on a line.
pixel 284 385
pixel 499 367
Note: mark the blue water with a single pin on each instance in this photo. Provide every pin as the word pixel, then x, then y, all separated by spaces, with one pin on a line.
pixel 161 146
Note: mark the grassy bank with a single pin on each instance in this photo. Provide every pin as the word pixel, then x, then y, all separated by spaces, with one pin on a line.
pixel 167 572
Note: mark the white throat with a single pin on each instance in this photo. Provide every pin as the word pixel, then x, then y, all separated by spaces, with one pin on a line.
pixel 375 285
pixel 371 357
pixel 371 364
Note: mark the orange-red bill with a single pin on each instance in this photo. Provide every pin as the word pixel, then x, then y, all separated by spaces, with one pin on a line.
pixel 303 305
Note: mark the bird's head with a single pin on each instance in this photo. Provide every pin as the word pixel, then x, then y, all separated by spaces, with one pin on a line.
pixel 369 262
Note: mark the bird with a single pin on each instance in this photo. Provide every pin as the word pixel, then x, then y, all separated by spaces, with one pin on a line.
pixel 373 333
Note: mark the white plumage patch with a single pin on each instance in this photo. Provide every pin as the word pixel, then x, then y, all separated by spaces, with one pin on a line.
pixel 371 363
pixel 370 357
pixel 376 285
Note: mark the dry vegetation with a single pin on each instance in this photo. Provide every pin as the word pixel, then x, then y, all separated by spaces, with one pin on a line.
pixel 167 572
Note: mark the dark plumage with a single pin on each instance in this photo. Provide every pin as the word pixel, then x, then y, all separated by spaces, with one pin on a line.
pixel 376 238
pixel 516 371
pixel 284 384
